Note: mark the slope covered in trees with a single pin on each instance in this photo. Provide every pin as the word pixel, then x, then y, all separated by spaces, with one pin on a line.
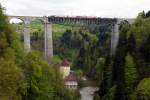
pixel 125 76
pixel 128 78
pixel 26 76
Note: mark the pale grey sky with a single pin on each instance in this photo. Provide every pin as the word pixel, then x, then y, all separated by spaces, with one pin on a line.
pixel 100 8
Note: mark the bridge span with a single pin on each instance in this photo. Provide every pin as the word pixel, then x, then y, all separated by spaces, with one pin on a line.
pixel 78 20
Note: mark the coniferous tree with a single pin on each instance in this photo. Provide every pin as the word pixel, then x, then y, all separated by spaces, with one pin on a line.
pixel 147 14
pixel 106 83
pixel 145 49
pixel 143 90
pixel 12 80
pixel 119 61
pixel 131 46
pixel 131 76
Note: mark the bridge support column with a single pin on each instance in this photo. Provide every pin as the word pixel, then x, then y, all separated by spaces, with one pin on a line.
pixel 26 34
pixel 48 41
pixel 114 38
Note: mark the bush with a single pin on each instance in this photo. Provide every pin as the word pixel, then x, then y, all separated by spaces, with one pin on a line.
pixel 143 90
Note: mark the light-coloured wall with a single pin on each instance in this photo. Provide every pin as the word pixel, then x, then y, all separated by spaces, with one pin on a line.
pixel 64 71
pixel 73 85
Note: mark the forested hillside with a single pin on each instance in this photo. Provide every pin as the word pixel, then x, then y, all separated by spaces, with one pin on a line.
pixel 82 46
pixel 122 76
pixel 126 75
pixel 26 76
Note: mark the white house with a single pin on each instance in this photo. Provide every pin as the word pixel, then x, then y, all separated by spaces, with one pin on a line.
pixel 69 76
pixel 71 81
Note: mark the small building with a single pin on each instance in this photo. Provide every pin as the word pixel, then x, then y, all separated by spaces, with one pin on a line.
pixel 64 68
pixel 71 81
pixel 69 76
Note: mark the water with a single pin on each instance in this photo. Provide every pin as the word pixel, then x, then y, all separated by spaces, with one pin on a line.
pixel 87 93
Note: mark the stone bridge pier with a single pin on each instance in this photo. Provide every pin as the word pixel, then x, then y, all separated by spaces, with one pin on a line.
pixel 48 43
pixel 26 35
pixel 48 39
pixel 114 38
pixel 115 33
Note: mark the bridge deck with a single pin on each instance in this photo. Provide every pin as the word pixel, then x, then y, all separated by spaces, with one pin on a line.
pixel 82 20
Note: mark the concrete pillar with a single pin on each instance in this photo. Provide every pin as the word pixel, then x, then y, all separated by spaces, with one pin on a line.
pixel 26 34
pixel 114 38
pixel 48 41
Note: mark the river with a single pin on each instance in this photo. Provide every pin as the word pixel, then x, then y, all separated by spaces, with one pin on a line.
pixel 87 93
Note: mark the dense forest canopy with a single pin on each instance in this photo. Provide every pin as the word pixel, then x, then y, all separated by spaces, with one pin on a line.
pixel 26 76
pixel 124 76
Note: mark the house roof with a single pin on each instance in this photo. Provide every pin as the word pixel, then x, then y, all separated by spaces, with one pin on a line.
pixel 65 63
pixel 71 77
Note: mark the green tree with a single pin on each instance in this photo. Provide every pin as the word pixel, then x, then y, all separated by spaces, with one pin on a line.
pixel 111 93
pixel 131 46
pixel 100 69
pixel 145 49
pixel 40 77
pixel 131 75
pixel 141 15
pixel 143 90
pixel 66 38
pixel 106 83
pixel 12 81
pixel 119 61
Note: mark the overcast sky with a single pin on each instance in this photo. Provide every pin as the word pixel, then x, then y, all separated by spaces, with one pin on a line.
pixel 101 8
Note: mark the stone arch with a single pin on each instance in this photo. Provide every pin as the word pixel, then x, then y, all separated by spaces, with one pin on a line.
pixel 15 20
pixel 19 21
pixel 16 17
pixel 37 18
pixel 37 35
pixel 48 44
pixel 24 31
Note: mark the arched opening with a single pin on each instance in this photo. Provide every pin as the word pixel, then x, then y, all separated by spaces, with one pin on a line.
pixel 15 21
pixel 19 25
pixel 37 35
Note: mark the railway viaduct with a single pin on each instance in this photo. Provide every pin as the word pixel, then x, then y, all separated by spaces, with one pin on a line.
pixel 48 21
